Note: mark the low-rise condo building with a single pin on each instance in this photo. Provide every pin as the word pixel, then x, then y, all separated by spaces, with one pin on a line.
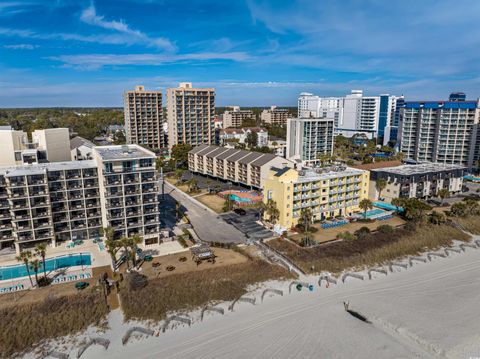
pixel 327 192
pixel 239 166
pixel 416 181
pixel 236 116
pixel 275 116
pixel 73 200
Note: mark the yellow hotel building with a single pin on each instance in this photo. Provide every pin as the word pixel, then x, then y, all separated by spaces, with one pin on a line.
pixel 328 192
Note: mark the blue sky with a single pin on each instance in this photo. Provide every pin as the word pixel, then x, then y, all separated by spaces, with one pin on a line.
pixel 254 52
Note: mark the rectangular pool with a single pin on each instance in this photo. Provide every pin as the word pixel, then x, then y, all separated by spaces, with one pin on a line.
pixel 373 212
pixel 51 264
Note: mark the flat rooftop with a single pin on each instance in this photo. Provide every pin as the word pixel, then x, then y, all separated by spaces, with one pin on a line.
pixel 318 174
pixel 315 174
pixel 121 152
pixel 41 168
pixel 422 168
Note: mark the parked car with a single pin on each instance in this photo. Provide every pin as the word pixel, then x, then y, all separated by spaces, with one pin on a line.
pixel 240 211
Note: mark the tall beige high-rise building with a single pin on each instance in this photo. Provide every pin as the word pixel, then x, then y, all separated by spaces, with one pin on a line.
pixel 144 118
pixel 190 115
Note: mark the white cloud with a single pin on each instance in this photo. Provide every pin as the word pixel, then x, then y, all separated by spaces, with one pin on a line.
pixel 20 47
pixel 90 16
pixel 95 61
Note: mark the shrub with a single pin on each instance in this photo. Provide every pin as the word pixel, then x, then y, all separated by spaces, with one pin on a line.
pixel 25 325
pixel 437 218
pixel 346 235
pixel 385 228
pixel 375 249
pixel 362 232
pixel 187 291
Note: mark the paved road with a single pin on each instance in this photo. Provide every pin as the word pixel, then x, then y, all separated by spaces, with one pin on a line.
pixel 208 225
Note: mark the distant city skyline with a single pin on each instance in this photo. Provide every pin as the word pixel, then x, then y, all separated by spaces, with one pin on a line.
pixel 68 53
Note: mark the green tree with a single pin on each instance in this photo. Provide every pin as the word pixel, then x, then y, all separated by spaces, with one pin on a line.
pixel 306 218
pixel 397 202
pixel 272 211
pixel 192 185
pixel 414 209
pixel 179 173
pixel 365 204
pixel 132 244
pixel 380 185
pixel 35 264
pixel 41 251
pixel 111 244
pixel 252 139
pixel 443 193
pixel 25 257
pixel 124 243
pixel 228 204
pixel 180 154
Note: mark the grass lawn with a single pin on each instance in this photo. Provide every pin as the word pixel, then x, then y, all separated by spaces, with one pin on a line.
pixel 325 235
pixel 376 249
pixel 212 201
pixel 187 291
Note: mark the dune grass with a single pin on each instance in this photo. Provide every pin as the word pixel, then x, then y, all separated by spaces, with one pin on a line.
pixel 470 223
pixel 187 291
pixel 24 326
pixel 375 249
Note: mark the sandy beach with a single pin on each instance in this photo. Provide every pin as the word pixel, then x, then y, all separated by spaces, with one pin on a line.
pixel 426 311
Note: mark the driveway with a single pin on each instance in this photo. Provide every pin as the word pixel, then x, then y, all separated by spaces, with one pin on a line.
pixel 207 224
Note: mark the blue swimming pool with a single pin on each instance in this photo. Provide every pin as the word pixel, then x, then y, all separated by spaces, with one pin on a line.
pixel 373 212
pixel 236 198
pixel 72 260
pixel 471 178
pixel 387 206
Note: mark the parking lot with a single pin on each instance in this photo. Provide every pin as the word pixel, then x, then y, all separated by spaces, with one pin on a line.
pixel 247 224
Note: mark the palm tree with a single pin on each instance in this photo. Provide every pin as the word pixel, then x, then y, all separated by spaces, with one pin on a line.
pixel 365 204
pixel 112 249
pixel 272 211
pixel 380 185
pixel 125 244
pixel 134 242
pixel 192 185
pixel 41 251
pixel 306 218
pixel 25 258
pixel 262 207
pixel 228 205
pixel 443 193
pixel 35 264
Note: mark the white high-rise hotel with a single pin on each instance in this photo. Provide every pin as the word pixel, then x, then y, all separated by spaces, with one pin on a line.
pixel 354 113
